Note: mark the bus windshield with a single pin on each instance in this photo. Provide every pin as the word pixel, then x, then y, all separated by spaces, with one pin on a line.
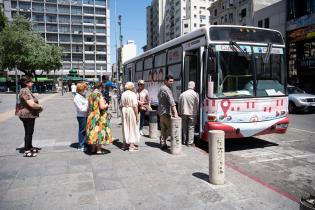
pixel 247 71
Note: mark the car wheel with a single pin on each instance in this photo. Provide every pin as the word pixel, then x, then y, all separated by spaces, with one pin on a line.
pixel 291 107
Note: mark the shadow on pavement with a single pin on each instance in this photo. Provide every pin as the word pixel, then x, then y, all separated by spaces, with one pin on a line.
pixel 117 143
pixel 239 144
pixel 21 149
pixel 104 152
pixel 202 176
pixel 74 145
pixel 152 144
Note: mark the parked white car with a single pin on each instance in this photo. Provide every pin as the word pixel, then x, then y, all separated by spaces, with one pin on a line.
pixel 299 100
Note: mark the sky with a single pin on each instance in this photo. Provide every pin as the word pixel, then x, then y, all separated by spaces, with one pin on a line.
pixel 133 14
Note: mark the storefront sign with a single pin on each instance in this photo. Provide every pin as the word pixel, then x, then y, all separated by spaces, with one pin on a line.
pixel 301 22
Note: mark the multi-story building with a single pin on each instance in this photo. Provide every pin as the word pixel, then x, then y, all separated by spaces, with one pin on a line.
pixel 168 19
pixel 236 12
pixel 155 23
pixel 300 40
pixel 273 16
pixel 184 16
pixel 80 27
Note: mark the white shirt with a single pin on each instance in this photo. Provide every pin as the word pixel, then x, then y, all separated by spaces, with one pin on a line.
pixel 73 88
pixel 81 105
pixel 188 103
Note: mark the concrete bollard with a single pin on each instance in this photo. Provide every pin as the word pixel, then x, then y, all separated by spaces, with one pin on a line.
pixel 216 157
pixel 153 126
pixel 176 135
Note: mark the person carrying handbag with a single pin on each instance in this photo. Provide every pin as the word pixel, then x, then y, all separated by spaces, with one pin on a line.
pixel 28 110
pixel 144 103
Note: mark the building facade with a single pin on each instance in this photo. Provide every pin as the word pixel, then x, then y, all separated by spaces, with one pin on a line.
pixel 273 16
pixel 237 12
pixel 168 19
pixel 301 43
pixel 155 23
pixel 80 27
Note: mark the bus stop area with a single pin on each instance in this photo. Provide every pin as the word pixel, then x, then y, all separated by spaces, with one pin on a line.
pixel 61 177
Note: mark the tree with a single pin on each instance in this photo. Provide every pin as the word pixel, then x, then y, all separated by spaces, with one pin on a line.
pixel 26 50
pixel 3 20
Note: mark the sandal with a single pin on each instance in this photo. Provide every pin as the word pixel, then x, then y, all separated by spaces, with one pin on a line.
pixel 134 149
pixel 35 150
pixel 101 152
pixel 29 154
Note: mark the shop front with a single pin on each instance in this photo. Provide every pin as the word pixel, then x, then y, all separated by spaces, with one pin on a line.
pixel 301 54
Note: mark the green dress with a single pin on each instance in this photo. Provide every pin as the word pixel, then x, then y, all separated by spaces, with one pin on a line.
pixel 97 126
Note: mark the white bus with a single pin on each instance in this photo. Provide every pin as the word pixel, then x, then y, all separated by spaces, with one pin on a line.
pixel 240 75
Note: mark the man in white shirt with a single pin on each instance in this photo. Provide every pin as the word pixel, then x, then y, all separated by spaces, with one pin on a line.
pixel 73 89
pixel 188 109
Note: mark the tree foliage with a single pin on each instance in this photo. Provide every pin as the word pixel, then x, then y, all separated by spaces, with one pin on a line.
pixel 3 20
pixel 27 50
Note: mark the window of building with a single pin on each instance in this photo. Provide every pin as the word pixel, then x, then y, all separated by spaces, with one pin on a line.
pixel 215 23
pixel 185 25
pixel 215 12
pixel 225 18
pixel 203 17
pixel 267 23
pixel 260 23
pixel 231 17
pixel 243 13
pixel 202 8
pixel 195 24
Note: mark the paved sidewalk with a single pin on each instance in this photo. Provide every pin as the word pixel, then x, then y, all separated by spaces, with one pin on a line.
pixel 63 178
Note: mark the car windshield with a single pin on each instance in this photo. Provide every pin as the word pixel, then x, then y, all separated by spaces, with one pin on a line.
pixel 294 90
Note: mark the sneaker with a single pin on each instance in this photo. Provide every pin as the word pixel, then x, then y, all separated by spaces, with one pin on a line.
pixel 82 149
pixel 164 147
pixel 141 133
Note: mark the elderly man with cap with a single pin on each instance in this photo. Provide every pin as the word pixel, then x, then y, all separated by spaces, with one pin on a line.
pixel 188 109
pixel 144 103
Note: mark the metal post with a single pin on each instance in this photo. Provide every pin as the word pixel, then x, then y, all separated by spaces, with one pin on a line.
pixel 101 80
pixel 16 86
pixel 62 88
pixel 176 135
pixel 216 157
pixel 120 54
pixel 153 126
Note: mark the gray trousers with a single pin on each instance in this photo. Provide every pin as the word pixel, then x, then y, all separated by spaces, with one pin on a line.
pixel 188 126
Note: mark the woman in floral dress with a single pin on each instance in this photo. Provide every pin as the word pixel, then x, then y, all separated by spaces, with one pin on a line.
pixel 97 127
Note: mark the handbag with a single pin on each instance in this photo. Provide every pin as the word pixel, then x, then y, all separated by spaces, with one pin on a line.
pixel 18 108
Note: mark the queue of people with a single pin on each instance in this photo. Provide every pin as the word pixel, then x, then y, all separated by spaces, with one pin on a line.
pixel 94 120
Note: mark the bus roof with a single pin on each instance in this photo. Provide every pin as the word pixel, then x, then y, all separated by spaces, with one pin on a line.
pixel 203 31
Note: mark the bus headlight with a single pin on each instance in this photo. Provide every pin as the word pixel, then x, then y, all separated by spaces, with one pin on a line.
pixel 282 125
pixel 212 118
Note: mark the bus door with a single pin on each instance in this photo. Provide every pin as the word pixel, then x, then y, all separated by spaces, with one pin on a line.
pixel 192 70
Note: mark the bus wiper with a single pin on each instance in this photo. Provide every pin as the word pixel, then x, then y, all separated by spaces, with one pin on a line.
pixel 243 52
pixel 268 53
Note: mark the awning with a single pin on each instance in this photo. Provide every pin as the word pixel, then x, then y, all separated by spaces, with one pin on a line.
pixel 69 78
pixel 3 79
pixel 42 79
